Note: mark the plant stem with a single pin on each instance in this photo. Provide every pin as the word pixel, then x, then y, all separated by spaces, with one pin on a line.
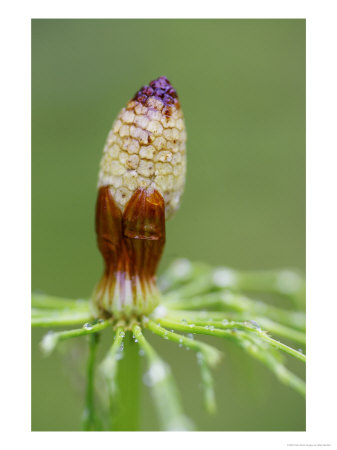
pixel 163 389
pixel 129 387
pixel 88 421
pixel 52 302
pixel 109 369
pixel 221 330
pixel 227 300
pixel 206 356
pixel 246 326
pixel 188 279
pixel 212 354
pixel 51 339
pixel 214 317
pixel 60 318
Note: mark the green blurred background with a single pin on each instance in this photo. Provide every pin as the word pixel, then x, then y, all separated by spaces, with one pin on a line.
pixel 241 85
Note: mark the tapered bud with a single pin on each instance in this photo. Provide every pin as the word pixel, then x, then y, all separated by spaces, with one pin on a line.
pixel 141 179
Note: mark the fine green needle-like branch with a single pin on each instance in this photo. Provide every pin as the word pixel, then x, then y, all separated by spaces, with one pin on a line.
pixel 109 369
pixel 215 317
pixel 89 422
pixel 212 354
pixel 260 351
pixel 206 356
pixel 52 302
pixel 164 392
pixel 188 279
pixel 233 325
pixel 258 347
pixel 51 339
pixel 61 318
pixel 227 300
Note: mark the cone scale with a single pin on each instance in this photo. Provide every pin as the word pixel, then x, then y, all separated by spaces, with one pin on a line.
pixel 141 180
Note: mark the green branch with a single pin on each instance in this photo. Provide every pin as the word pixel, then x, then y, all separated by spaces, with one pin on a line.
pixel 206 356
pixel 189 279
pixel 163 389
pixel 258 347
pixel 52 302
pixel 215 317
pixel 59 318
pixel 212 354
pixel 89 419
pixel 51 339
pixel 227 300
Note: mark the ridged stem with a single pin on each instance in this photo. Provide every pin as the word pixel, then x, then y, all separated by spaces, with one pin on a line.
pixel 89 420
pixel 127 416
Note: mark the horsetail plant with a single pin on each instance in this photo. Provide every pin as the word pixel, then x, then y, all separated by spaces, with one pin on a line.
pixel 141 180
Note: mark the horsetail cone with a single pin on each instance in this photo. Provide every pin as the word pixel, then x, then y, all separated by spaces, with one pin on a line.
pixel 141 180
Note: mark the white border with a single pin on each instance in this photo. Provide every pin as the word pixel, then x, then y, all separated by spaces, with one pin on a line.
pixel 321 223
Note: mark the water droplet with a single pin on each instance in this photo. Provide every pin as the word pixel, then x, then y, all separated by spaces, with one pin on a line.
pixel 183 321
pixel 141 352
pixel 88 326
pixel 180 340
pixel 122 334
pixel 255 325
pixel 300 350
pixel 191 325
pixel 190 335
pixel 136 340
pixel 100 320
pixel 225 321
pixel 211 327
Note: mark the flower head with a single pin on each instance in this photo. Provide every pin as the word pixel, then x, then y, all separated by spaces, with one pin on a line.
pixel 140 183
pixel 145 148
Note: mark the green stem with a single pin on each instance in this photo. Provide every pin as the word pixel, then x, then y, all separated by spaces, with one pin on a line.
pixel 52 302
pixel 58 318
pixel 214 317
pixel 257 350
pixel 230 301
pixel 180 272
pixel 212 354
pixel 206 356
pixel 89 420
pixel 221 330
pixel 109 369
pixel 188 279
pixel 207 384
pixel 165 395
pixel 252 343
pixel 51 339
pixel 126 417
